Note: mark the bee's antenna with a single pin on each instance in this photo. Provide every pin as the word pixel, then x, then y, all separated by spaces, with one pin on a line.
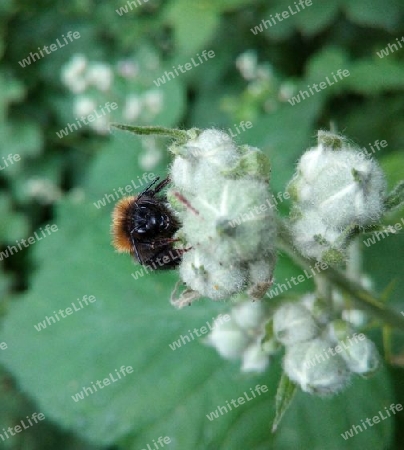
pixel 148 188
pixel 157 189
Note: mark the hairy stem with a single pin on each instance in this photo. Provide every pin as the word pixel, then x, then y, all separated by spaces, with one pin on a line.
pixel 361 297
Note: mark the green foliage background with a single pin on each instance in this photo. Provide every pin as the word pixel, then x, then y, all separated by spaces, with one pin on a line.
pixel 132 323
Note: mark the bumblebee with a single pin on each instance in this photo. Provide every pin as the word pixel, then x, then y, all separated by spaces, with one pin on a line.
pixel 144 226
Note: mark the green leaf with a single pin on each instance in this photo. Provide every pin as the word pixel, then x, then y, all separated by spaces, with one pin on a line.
pixel 310 20
pixel 284 396
pixel 11 90
pixel 315 423
pixel 22 138
pixel 372 76
pixel 392 165
pixel 228 5
pixel 13 225
pixel 313 20
pixel 6 283
pixel 151 131
pixel 376 13
pixel 186 19
pixel 131 323
pixel 279 30
pixel 378 261
pixel 323 64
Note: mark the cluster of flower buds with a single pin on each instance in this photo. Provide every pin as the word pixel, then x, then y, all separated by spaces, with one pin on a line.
pixel 241 336
pixel 220 194
pixel 321 354
pixel 335 189
pixel 94 83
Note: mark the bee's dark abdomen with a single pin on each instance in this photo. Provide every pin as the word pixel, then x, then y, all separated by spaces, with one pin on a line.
pixel 166 258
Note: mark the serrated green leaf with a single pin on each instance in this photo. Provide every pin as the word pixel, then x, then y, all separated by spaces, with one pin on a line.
pixel 284 396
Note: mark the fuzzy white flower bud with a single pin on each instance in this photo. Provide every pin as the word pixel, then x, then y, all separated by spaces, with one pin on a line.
pixel 153 101
pixel 73 73
pixel 249 315
pixel 240 338
pixel 217 193
pixel 339 183
pixel 318 307
pixel 223 219
pixel 361 356
pixel 132 108
pixel 359 352
pixel 128 69
pixel 309 365
pixel 314 239
pixel 355 316
pixel 312 164
pixel 247 64
pixel 214 150
pixel 101 125
pixel 338 330
pixel 350 190
pixel 100 75
pixel 183 173
pixel 293 323
pixel 208 277
pixel 84 105
pixel 260 276
pixel 229 340
pixel 254 359
pixel 335 188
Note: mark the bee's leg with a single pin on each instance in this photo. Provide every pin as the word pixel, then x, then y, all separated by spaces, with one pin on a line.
pixel 161 185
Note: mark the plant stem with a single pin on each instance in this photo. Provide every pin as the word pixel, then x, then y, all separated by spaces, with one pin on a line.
pixel 323 287
pixel 354 264
pixel 360 296
pixel 395 199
